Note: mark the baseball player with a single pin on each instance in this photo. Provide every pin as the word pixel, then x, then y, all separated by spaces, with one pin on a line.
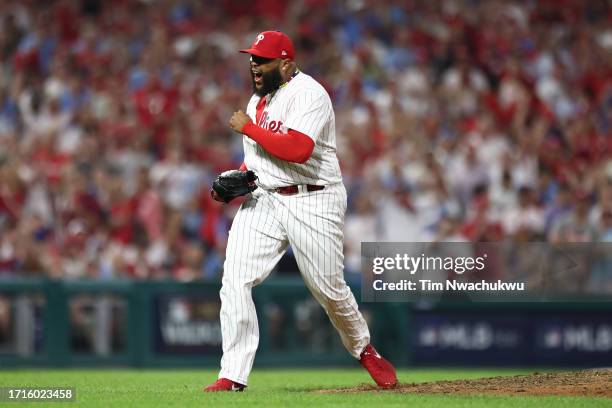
pixel 297 198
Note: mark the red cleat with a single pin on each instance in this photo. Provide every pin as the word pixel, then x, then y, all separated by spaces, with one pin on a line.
pixel 381 371
pixel 223 384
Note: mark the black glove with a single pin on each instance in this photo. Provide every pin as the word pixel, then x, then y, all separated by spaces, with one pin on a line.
pixel 233 183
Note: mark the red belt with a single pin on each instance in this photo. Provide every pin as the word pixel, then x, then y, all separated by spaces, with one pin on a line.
pixel 290 190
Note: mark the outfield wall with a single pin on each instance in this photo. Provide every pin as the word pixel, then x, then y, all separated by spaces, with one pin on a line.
pixel 160 324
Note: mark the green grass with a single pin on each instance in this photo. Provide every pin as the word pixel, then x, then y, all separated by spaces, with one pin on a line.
pixel 267 388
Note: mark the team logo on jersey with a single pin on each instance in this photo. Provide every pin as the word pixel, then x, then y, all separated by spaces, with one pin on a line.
pixel 264 122
pixel 274 126
pixel 259 38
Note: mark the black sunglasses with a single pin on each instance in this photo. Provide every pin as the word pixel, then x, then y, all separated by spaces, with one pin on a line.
pixel 261 60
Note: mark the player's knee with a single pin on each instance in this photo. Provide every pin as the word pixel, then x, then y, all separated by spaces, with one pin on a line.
pixel 330 297
pixel 233 287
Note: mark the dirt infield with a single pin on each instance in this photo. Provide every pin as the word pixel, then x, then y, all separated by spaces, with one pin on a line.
pixel 586 383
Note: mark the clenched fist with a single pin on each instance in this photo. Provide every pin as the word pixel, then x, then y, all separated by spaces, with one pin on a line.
pixel 238 120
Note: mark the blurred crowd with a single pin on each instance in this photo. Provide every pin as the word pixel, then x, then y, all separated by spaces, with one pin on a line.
pixel 456 121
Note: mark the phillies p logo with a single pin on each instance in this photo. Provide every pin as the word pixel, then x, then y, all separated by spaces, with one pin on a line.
pixel 259 38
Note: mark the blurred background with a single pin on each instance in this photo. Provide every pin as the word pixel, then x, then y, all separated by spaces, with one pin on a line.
pixel 471 121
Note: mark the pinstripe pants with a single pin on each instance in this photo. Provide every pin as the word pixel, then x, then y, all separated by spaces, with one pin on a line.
pixel 312 222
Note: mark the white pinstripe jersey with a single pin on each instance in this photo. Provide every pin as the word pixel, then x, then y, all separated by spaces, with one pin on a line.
pixel 302 105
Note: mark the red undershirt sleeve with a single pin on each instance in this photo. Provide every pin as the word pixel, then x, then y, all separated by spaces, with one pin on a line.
pixel 292 146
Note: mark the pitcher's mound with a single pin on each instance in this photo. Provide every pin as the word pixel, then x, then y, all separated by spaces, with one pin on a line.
pixel 584 383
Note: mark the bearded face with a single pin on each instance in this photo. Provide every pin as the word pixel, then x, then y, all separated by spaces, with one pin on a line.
pixel 265 74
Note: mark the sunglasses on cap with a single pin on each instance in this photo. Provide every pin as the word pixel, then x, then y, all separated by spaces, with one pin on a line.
pixel 261 60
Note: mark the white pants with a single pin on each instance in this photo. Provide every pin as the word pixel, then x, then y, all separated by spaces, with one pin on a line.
pixel 312 222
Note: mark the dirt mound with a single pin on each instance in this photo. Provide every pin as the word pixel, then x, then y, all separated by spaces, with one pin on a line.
pixel 585 383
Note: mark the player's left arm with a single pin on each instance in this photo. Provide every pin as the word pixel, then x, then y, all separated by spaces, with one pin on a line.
pixel 308 113
pixel 292 146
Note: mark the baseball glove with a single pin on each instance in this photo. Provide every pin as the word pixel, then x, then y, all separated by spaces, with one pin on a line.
pixel 233 183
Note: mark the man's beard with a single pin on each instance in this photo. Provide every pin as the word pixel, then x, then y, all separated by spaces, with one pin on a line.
pixel 271 81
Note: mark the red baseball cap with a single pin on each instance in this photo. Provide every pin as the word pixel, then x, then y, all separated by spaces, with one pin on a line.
pixel 271 44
